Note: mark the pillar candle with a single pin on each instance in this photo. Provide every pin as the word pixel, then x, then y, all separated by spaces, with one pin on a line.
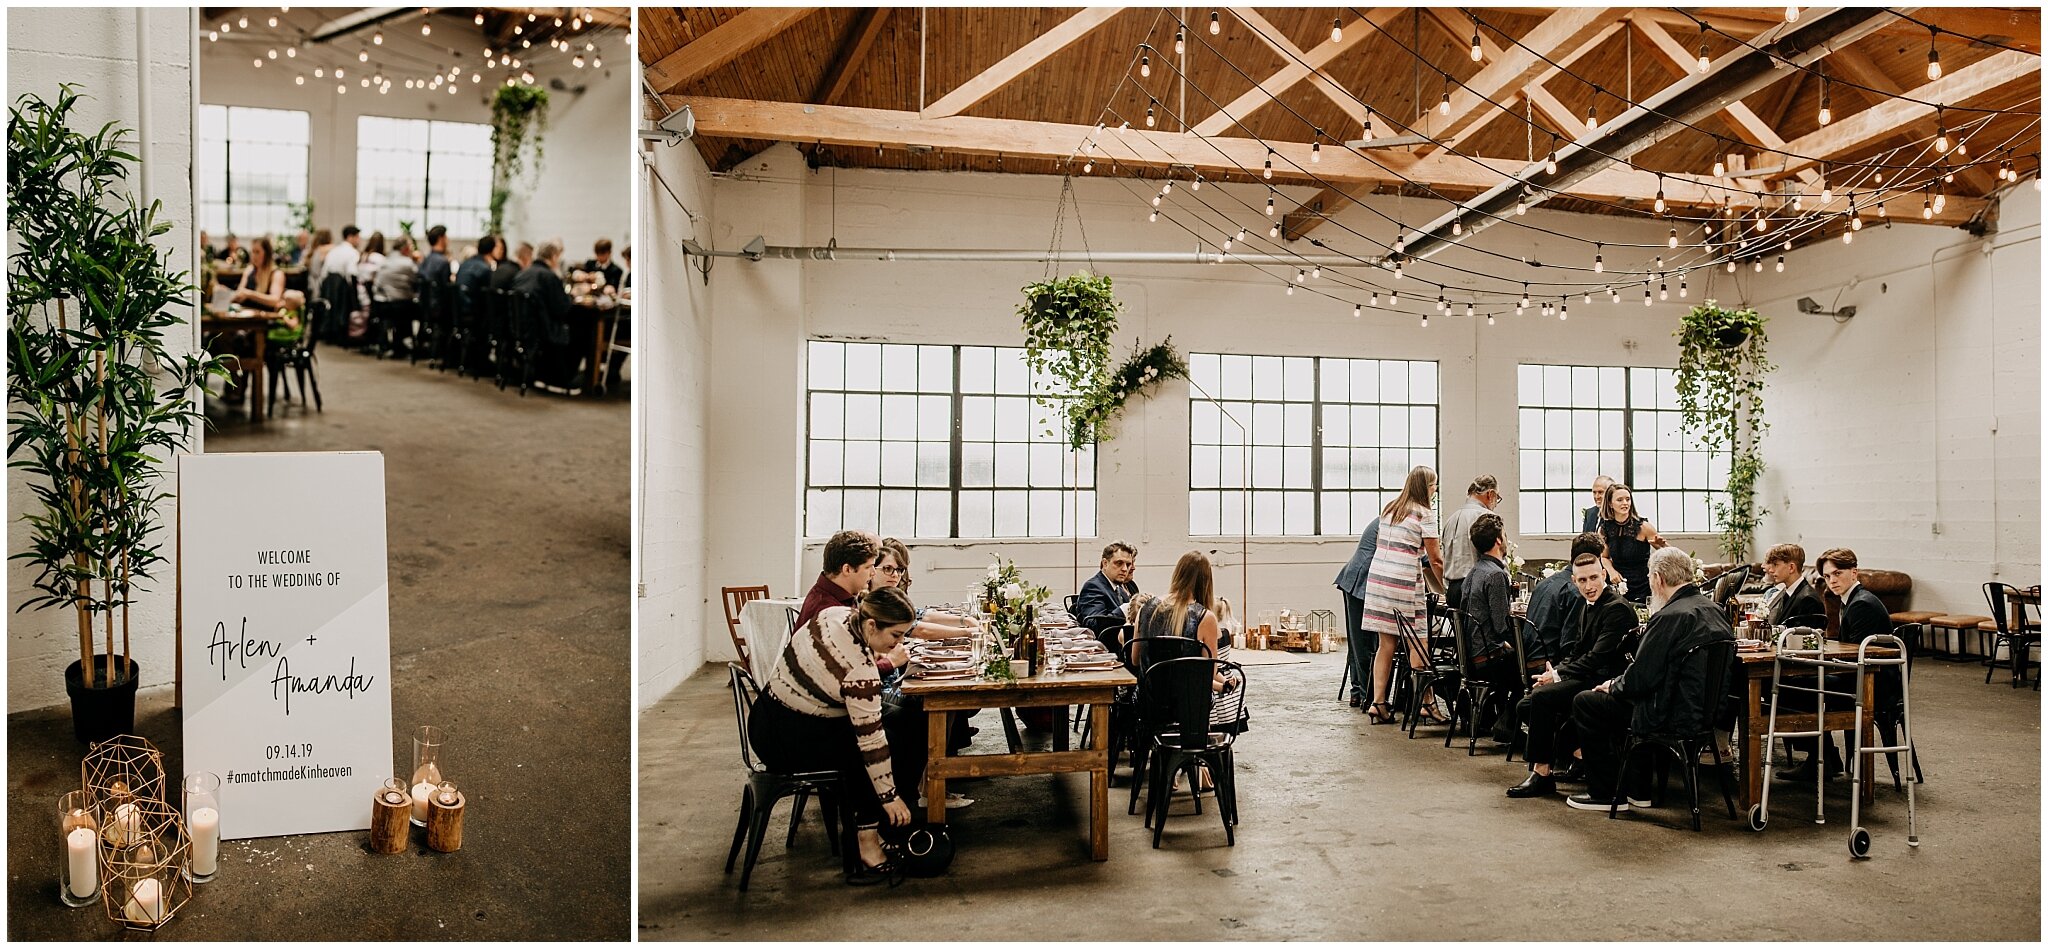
pixel 419 802
pixel 145 902
pixel 84 845
pixel 127 825
pixel 205 841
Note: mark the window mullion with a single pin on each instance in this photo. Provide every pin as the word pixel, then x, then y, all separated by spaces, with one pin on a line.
pixel 1315 448
pixel 954 450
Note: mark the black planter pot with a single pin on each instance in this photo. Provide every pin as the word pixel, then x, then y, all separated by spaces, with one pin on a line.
pixel 108 709
pixel 1731 337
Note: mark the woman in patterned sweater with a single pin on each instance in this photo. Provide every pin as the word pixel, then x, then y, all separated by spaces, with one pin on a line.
pixel 821 710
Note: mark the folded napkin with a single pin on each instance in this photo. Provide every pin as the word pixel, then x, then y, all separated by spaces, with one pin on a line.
pixel 946 674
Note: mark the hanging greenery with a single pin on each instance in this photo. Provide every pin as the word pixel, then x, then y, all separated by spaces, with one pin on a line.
pixel 519 114
pixel 97 401
pixel 1090 413
pixel 1722 362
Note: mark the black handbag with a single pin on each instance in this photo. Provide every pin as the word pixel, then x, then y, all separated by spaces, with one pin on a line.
pixel 921 850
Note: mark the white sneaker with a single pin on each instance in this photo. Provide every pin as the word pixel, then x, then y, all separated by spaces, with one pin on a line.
pixel 1638 802
pixel 954 801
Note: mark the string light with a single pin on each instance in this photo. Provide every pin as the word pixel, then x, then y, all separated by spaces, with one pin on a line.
pixel 1525 299
pixel 1489 319
pixel 291 52
pixel 1827 188
pixel 1425 321
pixel 1681 288
pixel 1756 264
pixel 1145 66
pixel 1599 263
pixel 319 73
pixel 1197 185
pixel 1367 133
pixel 1826 114
pixel 1337 30
pixel 271 53
pixel 1154 216
pixel 1791 14
pixel 1180 41
pixel 1477 56
pixel 1646 296
pixel 1269 167
pixel 1444 107
pixel 426 27
pixel 377 38
pixel 362 55
pixel 273 21
pixel 1458 222
pixel 1564 311
pixel 1940 131
pixel 1933 55
pixel 1674 238
pixel 1315 148
pixel 1316 273
pixel 1720 170
pixel 1660 194
pixel 1550 163
pixel 242 22
pixel 1663 289
pixel 258 61
pixel 1273 231
pixel 1593 117
pixel 1290 289
pixel 1300 275
pixel 299 80
pixel 1704 62
pixel 479 19
pixel 1357 309
pixel 1215 26
pixel 1468 308
pixel 1151 116
pixel 1269 205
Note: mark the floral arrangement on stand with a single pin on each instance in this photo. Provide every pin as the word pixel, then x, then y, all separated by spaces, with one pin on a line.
pixel 1004 594
pixel 1146 367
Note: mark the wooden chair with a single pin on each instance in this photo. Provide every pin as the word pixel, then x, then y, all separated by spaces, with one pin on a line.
pixel 736 599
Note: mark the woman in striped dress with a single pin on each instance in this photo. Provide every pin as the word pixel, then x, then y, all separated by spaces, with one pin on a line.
pixel 821 710
pixel 1408 530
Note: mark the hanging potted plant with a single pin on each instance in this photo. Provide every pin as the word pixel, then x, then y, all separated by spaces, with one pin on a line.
pixel 96 400
pixel 519 114
pixel 1722 362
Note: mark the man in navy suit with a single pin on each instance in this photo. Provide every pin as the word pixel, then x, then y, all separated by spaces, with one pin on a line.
pixel 1592 514
pixel 1100 604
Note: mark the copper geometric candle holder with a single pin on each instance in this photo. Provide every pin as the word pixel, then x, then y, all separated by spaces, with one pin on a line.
pixel 144 872
pixel 123 769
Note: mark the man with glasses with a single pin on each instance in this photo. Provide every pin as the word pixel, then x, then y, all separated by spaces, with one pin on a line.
pixel 1100 605
pixel 1863 615
pixel 1459 556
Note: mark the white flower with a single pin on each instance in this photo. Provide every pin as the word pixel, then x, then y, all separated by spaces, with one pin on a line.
pixel 1621 586
pixel 1012 591
pixel 1151 373
pixel 992 572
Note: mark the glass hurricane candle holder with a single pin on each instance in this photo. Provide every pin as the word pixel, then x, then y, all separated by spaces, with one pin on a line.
pixel 202 823
pixel 78 881
pixel 144 882
pixel 428 764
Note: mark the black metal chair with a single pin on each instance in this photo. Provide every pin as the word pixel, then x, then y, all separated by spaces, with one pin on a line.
pixel 1177 698
pixel 764 787
pixel 2018 642
pixel 1424 679
pixel 1473 693
pixel 1139 655
pixel 1070 600
pixel 528 337
pixel 1121 711
pixel 1718 657
pixel 298 356
pixel 436 323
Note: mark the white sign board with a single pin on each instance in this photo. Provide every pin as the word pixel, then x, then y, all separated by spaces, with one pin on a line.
pixel 286 660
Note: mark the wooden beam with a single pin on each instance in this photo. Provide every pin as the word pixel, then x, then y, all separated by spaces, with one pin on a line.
pixel 860 35
pixel 1018 63
pixel 1154 150
pixel 1860 70
pixel 2020 26
pixel 1878 122
pixel 1348 103
pixel 1548 104
pixel 1456 141
pixel 1740 117
pixel 1508 72
pixel 729 41
pixel 1294 71
pixel 1296 224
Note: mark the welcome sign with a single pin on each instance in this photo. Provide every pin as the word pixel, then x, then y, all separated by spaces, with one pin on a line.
pixel 285 663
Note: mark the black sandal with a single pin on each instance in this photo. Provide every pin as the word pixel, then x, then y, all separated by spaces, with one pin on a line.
pixel 1380 713
pixel 884 872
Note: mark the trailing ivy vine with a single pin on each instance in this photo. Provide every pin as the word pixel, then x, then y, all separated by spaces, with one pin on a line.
pixel 1722 361
pixel 1068 327
pixel 519 114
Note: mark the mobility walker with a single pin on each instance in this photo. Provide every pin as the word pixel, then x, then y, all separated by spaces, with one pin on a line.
pixel 1815 658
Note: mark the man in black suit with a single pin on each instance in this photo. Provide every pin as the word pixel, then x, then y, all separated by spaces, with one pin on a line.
pixel 1662 692
pixel 1592 514
pixel 1792 595
pixel 1604 624
pixel 508 270
pixel 601 262
pixel 1100 604
pixel 1863 614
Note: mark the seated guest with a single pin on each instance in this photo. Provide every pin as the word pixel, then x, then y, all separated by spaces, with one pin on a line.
pixel 372 259
pixel 474 276
pixel 1862 615
pixel 1602 624
pixel 316 256
pixel 436 267
pixel 1189 610
pixel 1489 639
pixel 559 358
pixel 601 263
pixel 849 565
pixel 345 256
pixel 905 720
pixel 1592 514
pixel 232 254
pixel 1552 619
pixel 510 266
pixel 1359 646
pixel 1658 694
pixel 1100 606
pixel 1791 595
pixel 821 710
pixel 892 569
pixel 262 284
pixel 397 277
pixel 626 279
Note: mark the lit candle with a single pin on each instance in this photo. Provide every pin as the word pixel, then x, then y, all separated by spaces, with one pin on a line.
pixel 84 846
pixel 145 902
pixel 419 801
pixel 127 825
pixel 205 841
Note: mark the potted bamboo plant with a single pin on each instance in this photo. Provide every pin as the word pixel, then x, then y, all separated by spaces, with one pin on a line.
pixel 97 402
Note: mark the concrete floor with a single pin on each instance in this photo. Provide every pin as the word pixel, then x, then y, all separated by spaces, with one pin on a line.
pixel 510 627
pixel 1352 832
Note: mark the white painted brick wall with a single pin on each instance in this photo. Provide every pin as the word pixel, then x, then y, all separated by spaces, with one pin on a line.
pixel 95 49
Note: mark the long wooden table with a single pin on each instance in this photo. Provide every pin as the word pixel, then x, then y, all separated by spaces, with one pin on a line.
pixel 256 324
pixel 1097 689
pixel 603 317
pixel 1756 667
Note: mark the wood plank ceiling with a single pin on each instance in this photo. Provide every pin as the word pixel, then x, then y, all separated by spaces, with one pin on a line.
pixel 867 70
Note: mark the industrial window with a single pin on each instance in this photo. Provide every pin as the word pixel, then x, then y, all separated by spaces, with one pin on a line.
pixel 424 171
pixel 1316 445
pixel 1580 422
pixel 252 168
pixel 926 441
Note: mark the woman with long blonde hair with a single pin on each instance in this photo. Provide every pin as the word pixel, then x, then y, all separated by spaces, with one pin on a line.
pixel 1408 533
pixel 1189 609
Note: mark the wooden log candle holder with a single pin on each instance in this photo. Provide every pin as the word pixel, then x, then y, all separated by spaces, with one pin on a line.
pixel 390 818
pixel 444 819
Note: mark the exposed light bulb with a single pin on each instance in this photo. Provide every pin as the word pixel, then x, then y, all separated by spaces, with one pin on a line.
pixel 242 22
pixel 1564 311
pixel 1933 60
pixel 1215 26
pixel 1337 30
pixel 1356 310
pixel 426 29
pixel 213 36
pixel 1273 231
pixel 1269 168
pixel 479 19
pixel 1704 62
pixel 1425 321
pixel 1791 14
pixel 1444 107
pixel 273 21
pixel 1315 151
pixel 1290 289
pixel 1599 262
pixel 1154 216
pixel 1316 273
pixel 1144 66
pixel 1151 118
pixel 1468 308
pixel 1300 275
pixel 1781 263
pixel 1674 238
pixel 1269 205
pixel 362 55
pixel 258 61
pixel 319 73
pixel 1592 118
pixel 1180 41
pixel 1660 195
pixel 377 38
pixel 1720 170
pixel 341 88
pixel 291 52
pixel 299 80
pixel 1681 289
pixel 1550 163
pixel 1367 133
pixel 1458 225
pixel 1663 291
pixel 1646 296
pixel 1197 185
pixel 1477 56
